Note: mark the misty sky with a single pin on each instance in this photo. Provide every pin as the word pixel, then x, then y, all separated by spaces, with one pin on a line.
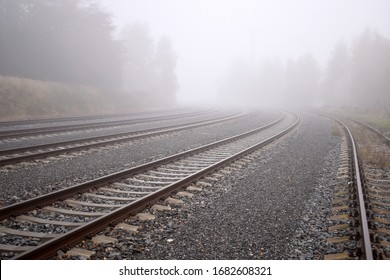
pixel 209 34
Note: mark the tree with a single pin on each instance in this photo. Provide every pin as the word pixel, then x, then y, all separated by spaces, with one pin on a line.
pixel 370 70
pixel 302 81
pixel 65 41
pixel 273 83
pixel 139 70
pixel 150 69
pixel 165 64
pixel 337 80
pixel 238 86
pixel 270 81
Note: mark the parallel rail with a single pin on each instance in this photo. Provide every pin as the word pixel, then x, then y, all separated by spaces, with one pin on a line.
pixel 364 228
pixel 366 185
pixel 12 156
pixel 75 118
pixel 380 134
pixel 90 125
pixel 221 153
pixel 376 183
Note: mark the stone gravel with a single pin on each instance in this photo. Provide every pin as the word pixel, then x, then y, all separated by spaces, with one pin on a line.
pixel 275 208
pixel 80 134
pixel 38 178
pixel 5 126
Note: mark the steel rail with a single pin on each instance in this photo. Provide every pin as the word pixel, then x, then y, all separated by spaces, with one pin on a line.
pixel 89 117
pixel 374 130
pixel 48 249
pixel 365 234
pixel 74 118
pixel 17 208
pixel 126 136
pixel 64 128
pixel 360 122
pixel 67 119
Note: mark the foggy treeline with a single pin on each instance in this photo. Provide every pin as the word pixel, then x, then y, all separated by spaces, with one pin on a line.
pixel 357 74
pixel 73 42
pixel 150 67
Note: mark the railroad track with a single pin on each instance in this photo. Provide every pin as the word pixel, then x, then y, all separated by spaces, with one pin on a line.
pixel 90 123
pixel 22 154
pixel 72 119
pixel 361 204
pixel 63 218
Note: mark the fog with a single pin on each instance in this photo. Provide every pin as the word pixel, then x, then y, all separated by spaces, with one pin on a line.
pixel 146 54
pixel 211 36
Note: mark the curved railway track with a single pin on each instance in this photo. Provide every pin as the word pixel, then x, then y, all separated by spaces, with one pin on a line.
pixel 90 123
pixel 361 205
pixel 65 217
pixel 17 155
pixel 75 118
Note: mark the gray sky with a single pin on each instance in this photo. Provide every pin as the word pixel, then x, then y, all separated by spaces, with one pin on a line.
pixel 209 34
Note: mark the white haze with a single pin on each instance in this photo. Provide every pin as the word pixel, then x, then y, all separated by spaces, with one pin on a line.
pixel 209 34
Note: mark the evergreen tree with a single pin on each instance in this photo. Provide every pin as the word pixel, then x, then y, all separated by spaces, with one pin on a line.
pixel 65 41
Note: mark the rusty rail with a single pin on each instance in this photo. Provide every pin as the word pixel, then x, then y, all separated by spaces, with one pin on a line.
pixel 126 136
pixel 48 249
pixel 364 229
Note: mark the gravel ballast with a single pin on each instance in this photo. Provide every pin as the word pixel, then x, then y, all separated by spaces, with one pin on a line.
pixel 34 179
pixel 275 208
pixel 273 204
pixel 87 133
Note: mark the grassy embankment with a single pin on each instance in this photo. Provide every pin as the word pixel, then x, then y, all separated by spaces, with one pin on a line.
pixel 378 118
pixel 24 99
